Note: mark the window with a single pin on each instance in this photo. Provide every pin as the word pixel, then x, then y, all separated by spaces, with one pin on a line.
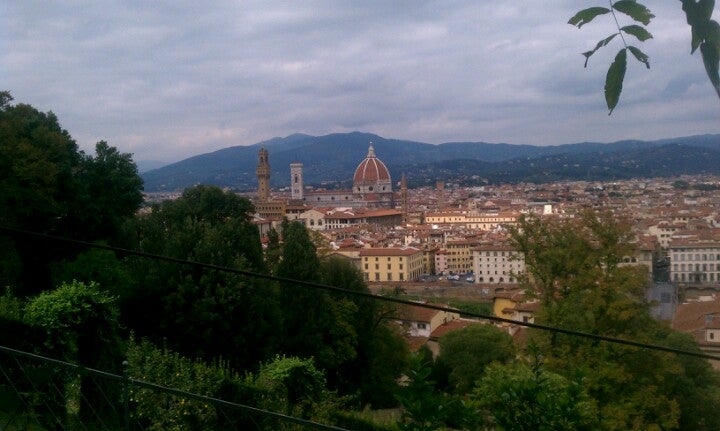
pixel 402 276
pixel 366 266
pixel 377 266
pixel 422 325
pixel 389 267
pixel 389 276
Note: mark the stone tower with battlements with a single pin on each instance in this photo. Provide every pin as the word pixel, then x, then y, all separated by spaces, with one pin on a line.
pixel 263 175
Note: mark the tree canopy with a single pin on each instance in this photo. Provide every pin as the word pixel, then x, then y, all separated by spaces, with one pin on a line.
pixel 49 186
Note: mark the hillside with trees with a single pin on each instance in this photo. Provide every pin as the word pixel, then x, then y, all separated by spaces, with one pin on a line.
pixel 329 161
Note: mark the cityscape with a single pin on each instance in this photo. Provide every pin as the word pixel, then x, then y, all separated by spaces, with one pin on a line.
pixel 360 216
pixel 453 237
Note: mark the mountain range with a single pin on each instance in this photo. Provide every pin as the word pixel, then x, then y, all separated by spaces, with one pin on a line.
pixel 329 161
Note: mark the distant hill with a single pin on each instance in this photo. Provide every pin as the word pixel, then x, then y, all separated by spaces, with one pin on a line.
pixel 149 165
pixel 330 160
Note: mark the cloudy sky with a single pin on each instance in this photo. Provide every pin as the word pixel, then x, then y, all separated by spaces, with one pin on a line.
pixel 166 80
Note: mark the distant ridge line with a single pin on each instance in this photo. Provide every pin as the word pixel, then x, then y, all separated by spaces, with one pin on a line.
pixel 331 159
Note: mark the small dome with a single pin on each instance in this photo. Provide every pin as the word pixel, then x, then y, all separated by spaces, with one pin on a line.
pixel 371 169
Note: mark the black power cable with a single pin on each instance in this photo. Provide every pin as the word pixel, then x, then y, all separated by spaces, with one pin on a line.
pixel 596 337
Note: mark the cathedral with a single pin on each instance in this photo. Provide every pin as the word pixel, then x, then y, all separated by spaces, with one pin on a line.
pixel 372 188
pixel 372 185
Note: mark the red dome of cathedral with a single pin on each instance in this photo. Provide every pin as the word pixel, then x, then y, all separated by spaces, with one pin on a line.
pixel 371 169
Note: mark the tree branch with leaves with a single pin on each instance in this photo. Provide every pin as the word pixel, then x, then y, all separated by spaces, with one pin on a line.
pixel 705 35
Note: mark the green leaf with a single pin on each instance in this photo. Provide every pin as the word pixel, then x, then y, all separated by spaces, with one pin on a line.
pixel 695 41
pixel 586 15
pixel 641 56
pixel 599 45
pixel 705 9
pixel 711 59
pixel 634 10
pixel 639 32
pixel 697 12
pixel 614 80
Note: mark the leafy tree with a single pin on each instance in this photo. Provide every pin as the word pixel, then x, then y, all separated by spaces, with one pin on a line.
pixel 591 293
pixel 202 312
pixel 109 191
pixel 344 333
pixel 101 267
pixel 467 352
pixel 424 408
pixel 310 320
pixel 157 411
pixel 380 352
pixel 273 252
pixel 521 397
pixel 37 160
pixel 49 186
pixel 82 327
pixel 566 255
pixel 297 381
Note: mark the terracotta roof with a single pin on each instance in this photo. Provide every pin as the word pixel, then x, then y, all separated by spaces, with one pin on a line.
pixel 529 307
pixel 418 314
pixel 494 247
pixel 516 295
pixel 371 169
pixel 389 251
pixel 692 316
pixel 453 325
pixel 415 343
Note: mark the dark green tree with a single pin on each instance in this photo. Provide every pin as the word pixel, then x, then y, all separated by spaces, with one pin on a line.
pixel 82 327
pixel 467 352
pixel 109 191
pixel 199 312
pixel 313 325
pixel 380 353
pixel 48 186
pixel 424 408
pixel 273 252
pixel 523 396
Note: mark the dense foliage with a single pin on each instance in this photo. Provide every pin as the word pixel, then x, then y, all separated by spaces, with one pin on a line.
pixel 573 267
pixel 49 186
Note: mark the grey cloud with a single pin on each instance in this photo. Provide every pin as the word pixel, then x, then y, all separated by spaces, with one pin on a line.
pixel 167 80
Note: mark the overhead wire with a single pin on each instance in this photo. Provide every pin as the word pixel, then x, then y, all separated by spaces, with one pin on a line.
pixel 335 289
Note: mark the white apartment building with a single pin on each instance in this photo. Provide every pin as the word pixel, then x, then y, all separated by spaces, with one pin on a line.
pixel 497 263
pixel 694 261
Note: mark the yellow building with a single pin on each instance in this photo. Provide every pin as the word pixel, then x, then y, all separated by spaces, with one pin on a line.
pixel 505 302
pixel 391 264
pixel 459 255
pixel 487 221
